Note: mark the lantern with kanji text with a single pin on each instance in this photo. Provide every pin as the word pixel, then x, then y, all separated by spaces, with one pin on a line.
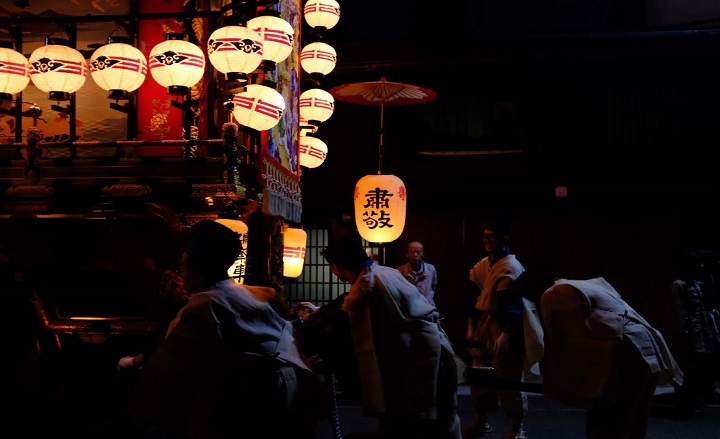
pixel 380 207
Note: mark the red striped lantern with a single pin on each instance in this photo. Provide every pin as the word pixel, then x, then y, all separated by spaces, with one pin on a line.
pixel 57 68
pixel 176 64
pixel 294 243
pixel 312 151
pixel 316 105
pixel 258 107
pixel 322 14
pixel 380 207
pixel 14 73
pixel 118 67
pixel 277 35
pixel 235 51
pixel 318 58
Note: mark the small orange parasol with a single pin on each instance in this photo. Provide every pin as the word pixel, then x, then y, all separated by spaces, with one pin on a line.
pixel 382 93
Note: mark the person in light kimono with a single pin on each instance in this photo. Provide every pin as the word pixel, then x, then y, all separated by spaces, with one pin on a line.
pixel 229 364
pixel 406 364
pixel 497 332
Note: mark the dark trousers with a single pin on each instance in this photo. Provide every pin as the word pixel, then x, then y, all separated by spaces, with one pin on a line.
pixel 627 417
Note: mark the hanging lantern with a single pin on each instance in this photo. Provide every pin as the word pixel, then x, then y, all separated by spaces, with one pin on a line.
pixel 176 64
pixel 318 58
pixel 277 36
pixel 312 151
pixel 237 269
pixel 316 105
pixel 322 14
pixel 14 73
pixel 235 51
pixel 258 107
pixel 57 68
pixel 380 205
pixel 294 242
pixel 118 67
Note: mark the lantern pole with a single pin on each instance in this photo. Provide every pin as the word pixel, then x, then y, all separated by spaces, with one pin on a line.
pixel 380 145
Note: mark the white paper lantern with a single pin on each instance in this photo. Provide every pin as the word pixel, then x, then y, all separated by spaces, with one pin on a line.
pixel 277 36
pixel 57 69
pixel 294 244
pixel 258 107
pixel 176 64
pixel 322 14
pixel 380 207
pixel 235 51
pixel 312 151
pixel 237 269
pixel 318 58
pixel 118 68
pixel 316 105
pixel 14 73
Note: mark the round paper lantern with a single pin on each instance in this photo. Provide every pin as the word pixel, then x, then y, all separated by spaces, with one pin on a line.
pixel 380 206
pixel 322 14
pixel 312 151
pixel 118 67
pixel 176 64
pixel 318 58
pixel 277 36
pixel 14 73
pixel 294 242
pixel 316 105
pixel 258 107
pixel 237 269
pixel 57 68
pixel 235 51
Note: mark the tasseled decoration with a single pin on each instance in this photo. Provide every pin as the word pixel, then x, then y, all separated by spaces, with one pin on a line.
pixel 33 173
pixel 230 154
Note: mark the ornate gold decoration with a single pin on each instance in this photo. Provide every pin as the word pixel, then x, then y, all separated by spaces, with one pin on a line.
pixel 214 190
pixel 126 190
pixel 30 191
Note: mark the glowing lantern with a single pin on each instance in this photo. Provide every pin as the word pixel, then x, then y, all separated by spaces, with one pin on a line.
pixel 294 242
pixel 57 68
pixel 277 36
pixel 14 73
pixel 237 269
pixel 176 64
pixel 380 205
pixel 118 67
pixel 235 51
pixel 312 151
pixel 318 58
pixel 316 105
pixel 322 14
pixel 258 107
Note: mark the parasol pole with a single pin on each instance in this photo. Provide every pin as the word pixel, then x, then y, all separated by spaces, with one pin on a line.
pixel 380 145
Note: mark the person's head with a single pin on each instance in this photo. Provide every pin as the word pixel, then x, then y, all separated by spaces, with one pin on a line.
pixel 415 252
pixel 496 238
pixel 211 249
pixel 347 258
